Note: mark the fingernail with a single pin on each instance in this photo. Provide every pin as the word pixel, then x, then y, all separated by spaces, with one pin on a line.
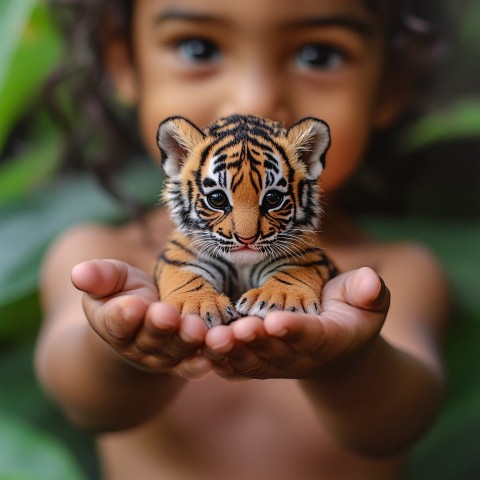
pixel 188 338
pixel 280 333
pixel 224 347
pixel 244 334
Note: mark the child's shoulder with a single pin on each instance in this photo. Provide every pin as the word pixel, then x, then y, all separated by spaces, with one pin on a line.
pixel 85 242
pixel 420 292
pixel 130 242
pixel 409 260
pixel 409 269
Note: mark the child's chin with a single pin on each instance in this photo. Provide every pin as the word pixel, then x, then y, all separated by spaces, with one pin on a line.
pixel 245 257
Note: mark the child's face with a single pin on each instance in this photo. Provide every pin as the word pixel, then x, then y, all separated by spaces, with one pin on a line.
pixel 281 59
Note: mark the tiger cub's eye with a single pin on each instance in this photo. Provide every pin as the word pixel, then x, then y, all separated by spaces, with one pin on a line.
pixel 273 199
pixel 217 200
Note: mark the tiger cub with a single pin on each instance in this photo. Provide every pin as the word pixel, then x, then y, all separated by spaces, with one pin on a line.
pixel 244 197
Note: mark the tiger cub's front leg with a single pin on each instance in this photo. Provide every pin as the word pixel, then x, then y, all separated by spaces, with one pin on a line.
pixel 192 286
pixel 291 286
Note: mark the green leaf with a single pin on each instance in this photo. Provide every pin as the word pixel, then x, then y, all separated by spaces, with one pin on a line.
pixel 30 54
pixel 460 119
pixel 27 453
pixel 469 33
pixel 29 225
pixel 14 15
pixel 20 318
pixel 23 173
pixel 22 398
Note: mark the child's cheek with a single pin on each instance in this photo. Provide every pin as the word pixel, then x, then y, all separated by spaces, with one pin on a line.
pixel 155 106
pixel 342 162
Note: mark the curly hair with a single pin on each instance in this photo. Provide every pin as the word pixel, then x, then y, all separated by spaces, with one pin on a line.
pixel 97 131
pixel 100 135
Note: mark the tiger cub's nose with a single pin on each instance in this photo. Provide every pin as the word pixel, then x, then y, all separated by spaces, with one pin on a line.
pixel 246 241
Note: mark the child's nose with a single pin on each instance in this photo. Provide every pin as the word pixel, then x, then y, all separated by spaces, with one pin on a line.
pixel 258 92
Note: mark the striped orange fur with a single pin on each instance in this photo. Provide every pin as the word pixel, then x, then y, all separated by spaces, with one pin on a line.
pixel 245 199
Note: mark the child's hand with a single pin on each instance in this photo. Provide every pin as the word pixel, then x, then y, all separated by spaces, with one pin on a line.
pixel 292 345
pixel 121 304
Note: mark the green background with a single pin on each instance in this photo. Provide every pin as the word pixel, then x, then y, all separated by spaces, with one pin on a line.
pixel 443 208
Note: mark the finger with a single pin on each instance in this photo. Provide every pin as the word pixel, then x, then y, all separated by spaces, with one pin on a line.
pixel 161 323
pixel 233 358
pixel 355 306
pixel 118 320
pixel 366 290
pixel 241 361
pixel 100 278
pixel 361 288
pixel 304 334
pixel 168 334
pixel 193 368
pixel 225 351
pixel 251 331
pixel 219 341
pixel 226 371
pixel 105 278
pixel 184 342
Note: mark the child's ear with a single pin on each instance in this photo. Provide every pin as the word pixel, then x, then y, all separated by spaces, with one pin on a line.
pixel 177 137
pixel 310 140
pixel 118 60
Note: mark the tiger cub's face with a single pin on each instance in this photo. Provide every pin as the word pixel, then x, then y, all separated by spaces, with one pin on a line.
pixel 245 188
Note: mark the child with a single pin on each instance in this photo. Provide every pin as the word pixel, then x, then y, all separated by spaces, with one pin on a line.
pixel 348 391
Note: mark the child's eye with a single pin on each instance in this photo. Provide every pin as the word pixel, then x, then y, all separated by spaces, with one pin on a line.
pixel 198 50
pixel 320 56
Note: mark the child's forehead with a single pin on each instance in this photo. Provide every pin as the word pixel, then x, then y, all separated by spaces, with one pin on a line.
pixel 273 9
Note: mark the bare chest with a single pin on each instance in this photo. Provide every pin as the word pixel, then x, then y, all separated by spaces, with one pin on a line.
pixel 253 428
pixel 260 430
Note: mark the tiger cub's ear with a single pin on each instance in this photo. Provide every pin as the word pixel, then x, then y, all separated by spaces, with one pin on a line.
pixel 176 138
pixel 310 140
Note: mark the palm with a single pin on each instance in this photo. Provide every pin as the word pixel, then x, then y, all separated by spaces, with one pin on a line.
pixel 291 345
pixel 121 304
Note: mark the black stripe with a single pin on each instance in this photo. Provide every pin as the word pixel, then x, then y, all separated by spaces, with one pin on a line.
pixel 196 277
pixel 196 289
pixel 295 278
pixel 282 281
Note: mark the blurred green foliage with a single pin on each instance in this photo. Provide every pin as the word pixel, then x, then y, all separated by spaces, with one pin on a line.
pixel 35 442
pixel 29 48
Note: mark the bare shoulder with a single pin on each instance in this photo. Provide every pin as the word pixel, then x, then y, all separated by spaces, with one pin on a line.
pixel 410 262
pixel 84 242
pixel 420 299
pixel 137 243
pixel 415 275
pixel 398 263
pixel 78 244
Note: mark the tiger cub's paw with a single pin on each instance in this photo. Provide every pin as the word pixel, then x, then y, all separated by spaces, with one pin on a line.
pixel 260 301
pixel 215 309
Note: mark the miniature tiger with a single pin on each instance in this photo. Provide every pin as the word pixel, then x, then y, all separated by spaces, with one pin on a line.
pixel 244 197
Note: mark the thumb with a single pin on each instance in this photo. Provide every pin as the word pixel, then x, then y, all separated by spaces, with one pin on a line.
pixel 366 290
pixel 100 278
